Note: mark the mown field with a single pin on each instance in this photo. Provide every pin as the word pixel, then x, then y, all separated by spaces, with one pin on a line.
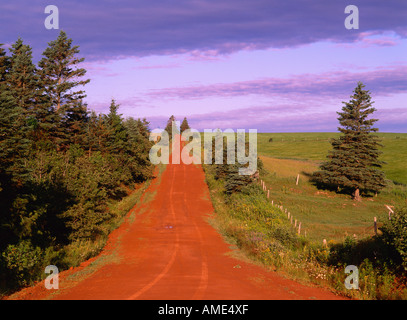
pixel 315 146
pixel 324 214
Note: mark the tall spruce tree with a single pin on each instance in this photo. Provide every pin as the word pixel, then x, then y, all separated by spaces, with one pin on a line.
pixel 61 77
pixel 354 161
pixel 60 74
pixel 22 80
pixel 19 90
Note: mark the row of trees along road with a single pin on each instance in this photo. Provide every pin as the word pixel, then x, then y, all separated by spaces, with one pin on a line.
pixel 60 164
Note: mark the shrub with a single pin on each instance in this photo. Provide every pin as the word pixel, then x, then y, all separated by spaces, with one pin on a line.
pixel 395 234
pixel 22 262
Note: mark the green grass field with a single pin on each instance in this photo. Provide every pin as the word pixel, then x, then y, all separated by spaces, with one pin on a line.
pixel 315 146
pixel 324 214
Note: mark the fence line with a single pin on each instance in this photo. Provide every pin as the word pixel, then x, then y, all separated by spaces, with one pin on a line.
pixel 282 209
pixel 290 216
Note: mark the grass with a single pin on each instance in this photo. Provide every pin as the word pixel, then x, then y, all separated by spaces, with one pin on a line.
pixel 247 221
pixel 325 214
pixel 315 147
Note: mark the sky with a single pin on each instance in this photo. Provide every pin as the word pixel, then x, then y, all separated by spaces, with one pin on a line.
pixel 274 66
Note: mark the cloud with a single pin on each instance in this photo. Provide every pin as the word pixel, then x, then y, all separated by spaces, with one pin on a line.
pixel 274 118
pixel 106 29
pixel 283 118
pixel 382 81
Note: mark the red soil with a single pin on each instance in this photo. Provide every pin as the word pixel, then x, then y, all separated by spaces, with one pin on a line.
pixel 169 251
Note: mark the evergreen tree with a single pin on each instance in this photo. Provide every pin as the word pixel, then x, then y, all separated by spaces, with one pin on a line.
pixel 354 164
pixel 60 76
pixel 4 66
pixel 139 146
pixel 17 102
pixel 22 80
pixel 138 130
pixel 184 125
pixel 96 133
pixel 117 138
pixel 76 124
pixel 234 181
pixel 168 127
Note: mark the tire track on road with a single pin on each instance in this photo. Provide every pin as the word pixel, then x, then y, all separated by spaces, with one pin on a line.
pixel 174 253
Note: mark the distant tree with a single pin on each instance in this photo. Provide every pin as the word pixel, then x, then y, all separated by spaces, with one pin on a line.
pixel 354 161
pixel 168 127
pixel 139 146
pixel 184 125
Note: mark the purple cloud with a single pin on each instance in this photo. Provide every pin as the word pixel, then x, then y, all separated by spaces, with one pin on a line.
pixel 382 81
pixel 104 28
pixel 284 118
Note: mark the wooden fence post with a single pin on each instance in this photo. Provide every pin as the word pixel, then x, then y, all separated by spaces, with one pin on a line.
pixel 299 229
pixel 298 178
pixel 390 211
pixel 375 225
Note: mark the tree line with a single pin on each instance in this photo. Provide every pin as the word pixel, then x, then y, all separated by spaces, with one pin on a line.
pixel 60 163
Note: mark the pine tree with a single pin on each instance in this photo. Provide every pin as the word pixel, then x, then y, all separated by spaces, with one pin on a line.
pixel 168 127
pixel 96 133
pixel 139 145
pixel 4 65
pixel 17 102
pixel 184 125
pixel 117 139
pixel 354 161
pixel 22 80
pixel 234 181
pixel 76 124
pixel 60 76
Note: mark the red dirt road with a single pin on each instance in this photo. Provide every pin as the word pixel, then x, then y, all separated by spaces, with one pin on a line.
pixel 169 251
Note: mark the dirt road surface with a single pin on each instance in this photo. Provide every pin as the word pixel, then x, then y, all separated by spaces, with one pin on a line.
pixel 166 249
